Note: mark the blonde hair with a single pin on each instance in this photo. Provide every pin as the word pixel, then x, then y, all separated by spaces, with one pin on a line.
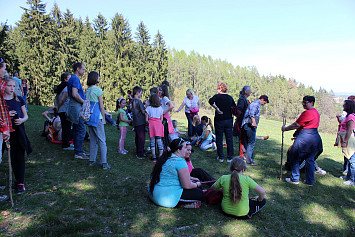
pixel 235 189
pixel 7 79
pixel 194 120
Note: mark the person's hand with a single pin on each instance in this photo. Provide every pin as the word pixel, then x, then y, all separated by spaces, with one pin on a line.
pixel 12 113
pixel 109 115
pixel 255 198
pixel 5 135
pixel 19 121
pixel 104 121
pixel 344 144
pixel 219 111
pixel 194 179
pixel 338 115
pixel 254 124
pixel 283 128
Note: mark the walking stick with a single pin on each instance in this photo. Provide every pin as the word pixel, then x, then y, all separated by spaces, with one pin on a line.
pixel 282 143
pixel 10 172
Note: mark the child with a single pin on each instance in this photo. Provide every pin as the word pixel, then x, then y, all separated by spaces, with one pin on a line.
pixel 122 126
pixel 167 106
pixel 138 113
pixel 97 131
pixel 154 117
pixel 206 140
pixel 235 188
pixel 19 142
pixel 176 131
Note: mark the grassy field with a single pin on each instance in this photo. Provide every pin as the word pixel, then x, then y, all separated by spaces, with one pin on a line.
pixel 91 201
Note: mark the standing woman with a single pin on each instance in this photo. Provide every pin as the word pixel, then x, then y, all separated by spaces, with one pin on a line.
pixel 223 121
pixel 97 133
pixel 62 102
pixel 192 105
pixel 347 140
pixel 307 144
pixel 170 178
pixel 242 106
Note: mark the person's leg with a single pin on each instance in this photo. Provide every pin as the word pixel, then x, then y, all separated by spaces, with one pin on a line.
pixel 136 140
pixel 66 126
pixel 201 174
pixel 295 168
pixel 255 207
pixel 1 142
pixel 228 130
pixel 93 143
pixel 101 140
pixel 241 140
pixel 219 138
pixel 250 137
pixel 141 139
pixel 351 169
pixel 123 133
pixel 193 194
pixel 79 132
pixel 310 168
pixel 206 144
pixel 160 145
pixel 110 120
pixel 346 164
pixel 189 125
pixel 152 147
pixel 17 154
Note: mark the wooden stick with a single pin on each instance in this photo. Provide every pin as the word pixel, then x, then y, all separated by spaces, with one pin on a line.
pixel 282 144
pixel 10 173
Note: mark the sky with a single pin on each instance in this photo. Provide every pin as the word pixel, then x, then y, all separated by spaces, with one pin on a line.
pixel 310 41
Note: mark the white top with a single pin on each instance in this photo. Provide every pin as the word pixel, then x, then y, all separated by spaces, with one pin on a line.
pixel 189 104
pixel 175 135
pixel 164 103
pixel 154 112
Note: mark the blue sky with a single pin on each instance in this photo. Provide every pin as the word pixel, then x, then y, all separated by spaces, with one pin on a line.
pixel 310 41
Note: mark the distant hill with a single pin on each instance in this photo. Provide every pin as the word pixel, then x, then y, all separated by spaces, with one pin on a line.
pixel 343 94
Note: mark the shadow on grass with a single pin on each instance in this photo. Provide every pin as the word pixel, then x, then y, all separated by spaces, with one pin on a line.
pixel 91 201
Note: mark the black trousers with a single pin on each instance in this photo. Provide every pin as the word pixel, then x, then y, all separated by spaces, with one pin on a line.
pixel 166 133
pixel 193 194
pixel 201 174
pixel 66 130
pixel 17 154
pixel 254 207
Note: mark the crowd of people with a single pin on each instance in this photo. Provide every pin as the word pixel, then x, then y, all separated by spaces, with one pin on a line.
pixel 174 180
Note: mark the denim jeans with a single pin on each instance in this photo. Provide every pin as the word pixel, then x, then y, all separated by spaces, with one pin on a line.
pixel 98 138
pixel 310 168
pixel 226 127
pixel 249 142
pixel 189 125
pixel 79 132
pixel 206 144
pixel 351 168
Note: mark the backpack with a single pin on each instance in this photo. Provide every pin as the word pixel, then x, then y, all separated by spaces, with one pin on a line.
pixel 85 110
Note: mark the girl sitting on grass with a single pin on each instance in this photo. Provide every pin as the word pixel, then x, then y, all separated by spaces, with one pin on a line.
pixel 206 140
pixel 122 125
pixel 236 188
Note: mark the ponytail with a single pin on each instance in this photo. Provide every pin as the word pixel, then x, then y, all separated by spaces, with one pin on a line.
pixel 210 123
pixel 235 189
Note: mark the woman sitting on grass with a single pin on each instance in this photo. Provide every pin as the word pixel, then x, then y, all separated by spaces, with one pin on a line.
pixel 170 178
pixel 235 189
pixel 206 140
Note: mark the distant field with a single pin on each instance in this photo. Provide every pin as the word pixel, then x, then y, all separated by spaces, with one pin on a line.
pixel 90 201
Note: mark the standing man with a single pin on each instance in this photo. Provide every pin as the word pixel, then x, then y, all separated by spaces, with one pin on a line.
pixel 5 122
pixel 250 124
pixel 242 106
pixel 77 97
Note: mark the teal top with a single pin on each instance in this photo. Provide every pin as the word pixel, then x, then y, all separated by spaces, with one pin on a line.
pixel 122 124
pixel 241 208
pixel 94 92
pixel 168 191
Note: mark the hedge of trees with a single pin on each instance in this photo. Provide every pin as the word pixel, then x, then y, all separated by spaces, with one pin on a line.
pixel 44 45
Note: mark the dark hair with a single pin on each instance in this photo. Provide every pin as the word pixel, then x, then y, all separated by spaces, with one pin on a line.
pixel 265 98
pixel 235 189
pixel 164 91
pixel 154 90
pixel 154 100
pixel 77 65
pixel 64 76
pixel 165 82
pixel 15 74
pixel 351 97
pixel 93 77
pixel 309 98
pixel 208 121
pixel 245 88
pixel 349 107
pixel 129 92
pixel 222 86
pixel 174 145
pixel 136 90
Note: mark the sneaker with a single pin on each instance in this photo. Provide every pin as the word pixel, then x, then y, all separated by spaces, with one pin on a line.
pixel 94 163
pixel 220 160
pixel 196 204
pixel 81 156
pixel 125 150
pixel 343 177
pixel 214 146
pixel 20 188
pixel 122 152
pixel 349 183
pixel 310 185
pixel 3 198
pixel 71 145
pixel 141 157
pixel 288 180
pixel 321 172
pixel 69 148
pixel 229 160
pixel 106 166
pixel 252 164
pixel 2 188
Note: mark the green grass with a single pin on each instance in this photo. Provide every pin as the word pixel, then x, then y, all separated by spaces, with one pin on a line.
pixel 91 201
